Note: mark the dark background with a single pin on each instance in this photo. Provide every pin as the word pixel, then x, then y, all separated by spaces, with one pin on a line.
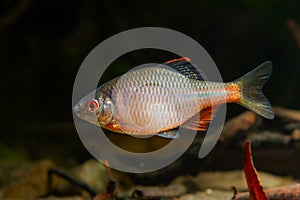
pixel 43 44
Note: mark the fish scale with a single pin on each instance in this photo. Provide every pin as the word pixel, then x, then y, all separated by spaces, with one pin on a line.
pixel 152 100
pixel 180 98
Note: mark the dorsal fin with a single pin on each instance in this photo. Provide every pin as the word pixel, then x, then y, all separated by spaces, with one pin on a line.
pixel 185 67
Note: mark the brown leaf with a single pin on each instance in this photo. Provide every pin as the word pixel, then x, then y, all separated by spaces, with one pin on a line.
pixel 242 122
pixel 105 197
pixel 151 191
pixel 111 192
pixel 33 184
pixel 287 113
pixel 295 29
pixel 290 192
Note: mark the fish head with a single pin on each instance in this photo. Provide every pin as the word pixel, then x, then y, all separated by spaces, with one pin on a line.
pixel 96 109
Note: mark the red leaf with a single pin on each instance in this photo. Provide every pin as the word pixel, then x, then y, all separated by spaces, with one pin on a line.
pixel 256 191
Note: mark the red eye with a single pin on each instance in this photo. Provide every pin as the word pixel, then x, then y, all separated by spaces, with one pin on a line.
pixel 92 105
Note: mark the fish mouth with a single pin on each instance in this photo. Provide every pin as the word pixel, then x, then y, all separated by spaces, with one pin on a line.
pixel 76 110
pixel 85 116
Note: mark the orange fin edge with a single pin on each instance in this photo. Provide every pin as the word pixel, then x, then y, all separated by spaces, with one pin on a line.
pixel 178 60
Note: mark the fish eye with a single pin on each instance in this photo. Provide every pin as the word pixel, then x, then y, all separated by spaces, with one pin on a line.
pixel 92 105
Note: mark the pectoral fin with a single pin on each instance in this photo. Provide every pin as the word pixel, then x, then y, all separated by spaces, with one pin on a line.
pixel 169 134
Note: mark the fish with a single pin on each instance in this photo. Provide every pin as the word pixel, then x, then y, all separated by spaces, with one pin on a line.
pixel 157 100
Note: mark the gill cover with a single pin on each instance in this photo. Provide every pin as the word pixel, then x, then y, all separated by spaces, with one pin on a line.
pixel 105 112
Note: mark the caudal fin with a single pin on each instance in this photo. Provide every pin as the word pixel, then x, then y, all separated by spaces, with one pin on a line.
pixel 251 90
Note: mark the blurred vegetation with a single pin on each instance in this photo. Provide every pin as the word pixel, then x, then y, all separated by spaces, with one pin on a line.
pixel 43 44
